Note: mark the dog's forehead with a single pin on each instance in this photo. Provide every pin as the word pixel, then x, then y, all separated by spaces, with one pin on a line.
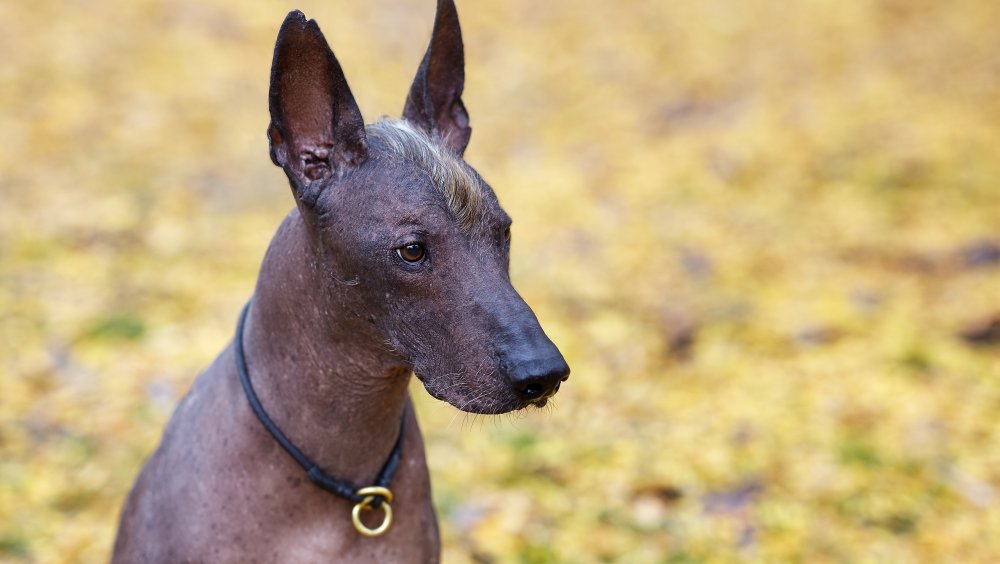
pixel 406 172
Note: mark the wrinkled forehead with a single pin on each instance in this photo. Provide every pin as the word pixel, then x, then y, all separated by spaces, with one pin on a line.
pixel 409 169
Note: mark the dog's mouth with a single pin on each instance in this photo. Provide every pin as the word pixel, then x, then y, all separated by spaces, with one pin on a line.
pixel 497 401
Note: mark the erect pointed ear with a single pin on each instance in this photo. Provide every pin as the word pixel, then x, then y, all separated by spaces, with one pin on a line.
pixel 435 100
pixel 316 130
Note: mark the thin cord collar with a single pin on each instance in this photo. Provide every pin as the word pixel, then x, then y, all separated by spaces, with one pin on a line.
pixel 316 474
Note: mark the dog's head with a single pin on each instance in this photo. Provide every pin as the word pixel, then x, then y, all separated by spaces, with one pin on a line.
pixel 411 242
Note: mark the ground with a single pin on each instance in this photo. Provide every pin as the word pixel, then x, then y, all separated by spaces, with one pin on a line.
pixel 766 235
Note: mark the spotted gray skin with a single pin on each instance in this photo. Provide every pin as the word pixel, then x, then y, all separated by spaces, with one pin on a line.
pixel 394 261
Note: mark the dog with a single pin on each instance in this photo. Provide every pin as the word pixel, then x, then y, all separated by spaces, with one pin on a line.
pixel 299 443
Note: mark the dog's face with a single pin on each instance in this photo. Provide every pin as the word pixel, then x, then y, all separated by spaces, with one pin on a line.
pixel 413 243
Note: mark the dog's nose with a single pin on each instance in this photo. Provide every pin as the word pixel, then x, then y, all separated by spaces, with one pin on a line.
pixel 533 364
pixel 538 379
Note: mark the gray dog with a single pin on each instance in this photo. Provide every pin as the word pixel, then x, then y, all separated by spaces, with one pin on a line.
pixel 299 443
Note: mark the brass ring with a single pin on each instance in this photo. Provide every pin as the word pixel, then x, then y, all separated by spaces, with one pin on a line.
pixel 366 503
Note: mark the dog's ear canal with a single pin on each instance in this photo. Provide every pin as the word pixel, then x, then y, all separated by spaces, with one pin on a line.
pixel 435 100
pixel 316 131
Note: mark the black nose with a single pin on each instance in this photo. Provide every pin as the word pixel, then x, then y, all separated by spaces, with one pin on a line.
pixel 537 379
pixel 531 361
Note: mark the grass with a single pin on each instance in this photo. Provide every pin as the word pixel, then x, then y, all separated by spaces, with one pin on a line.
pixel 758 231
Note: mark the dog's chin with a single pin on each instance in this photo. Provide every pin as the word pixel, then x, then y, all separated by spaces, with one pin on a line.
pixel 482 406
pixel 489 404
pixel 486 408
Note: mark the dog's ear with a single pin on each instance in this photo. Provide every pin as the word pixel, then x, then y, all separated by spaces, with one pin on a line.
pixel 435 100
pixel 316 130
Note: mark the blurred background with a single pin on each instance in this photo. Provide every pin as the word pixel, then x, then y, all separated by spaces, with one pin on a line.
pixel 766 235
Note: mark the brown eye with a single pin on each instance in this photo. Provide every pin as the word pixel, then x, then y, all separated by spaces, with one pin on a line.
pixel 413 252
pixel 506 235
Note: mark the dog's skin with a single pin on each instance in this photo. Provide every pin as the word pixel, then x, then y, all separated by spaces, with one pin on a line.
pixel 378 272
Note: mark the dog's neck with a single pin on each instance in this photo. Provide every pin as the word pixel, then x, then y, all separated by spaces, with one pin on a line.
pixel 337 394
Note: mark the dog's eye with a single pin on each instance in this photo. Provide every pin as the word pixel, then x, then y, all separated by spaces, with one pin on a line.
pixel 413 252
pixel 506 235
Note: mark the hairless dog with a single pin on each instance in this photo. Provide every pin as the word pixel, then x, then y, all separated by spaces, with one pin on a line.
pixel 299 443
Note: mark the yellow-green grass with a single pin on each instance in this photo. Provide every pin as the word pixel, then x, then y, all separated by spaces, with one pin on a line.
pixel 747 224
